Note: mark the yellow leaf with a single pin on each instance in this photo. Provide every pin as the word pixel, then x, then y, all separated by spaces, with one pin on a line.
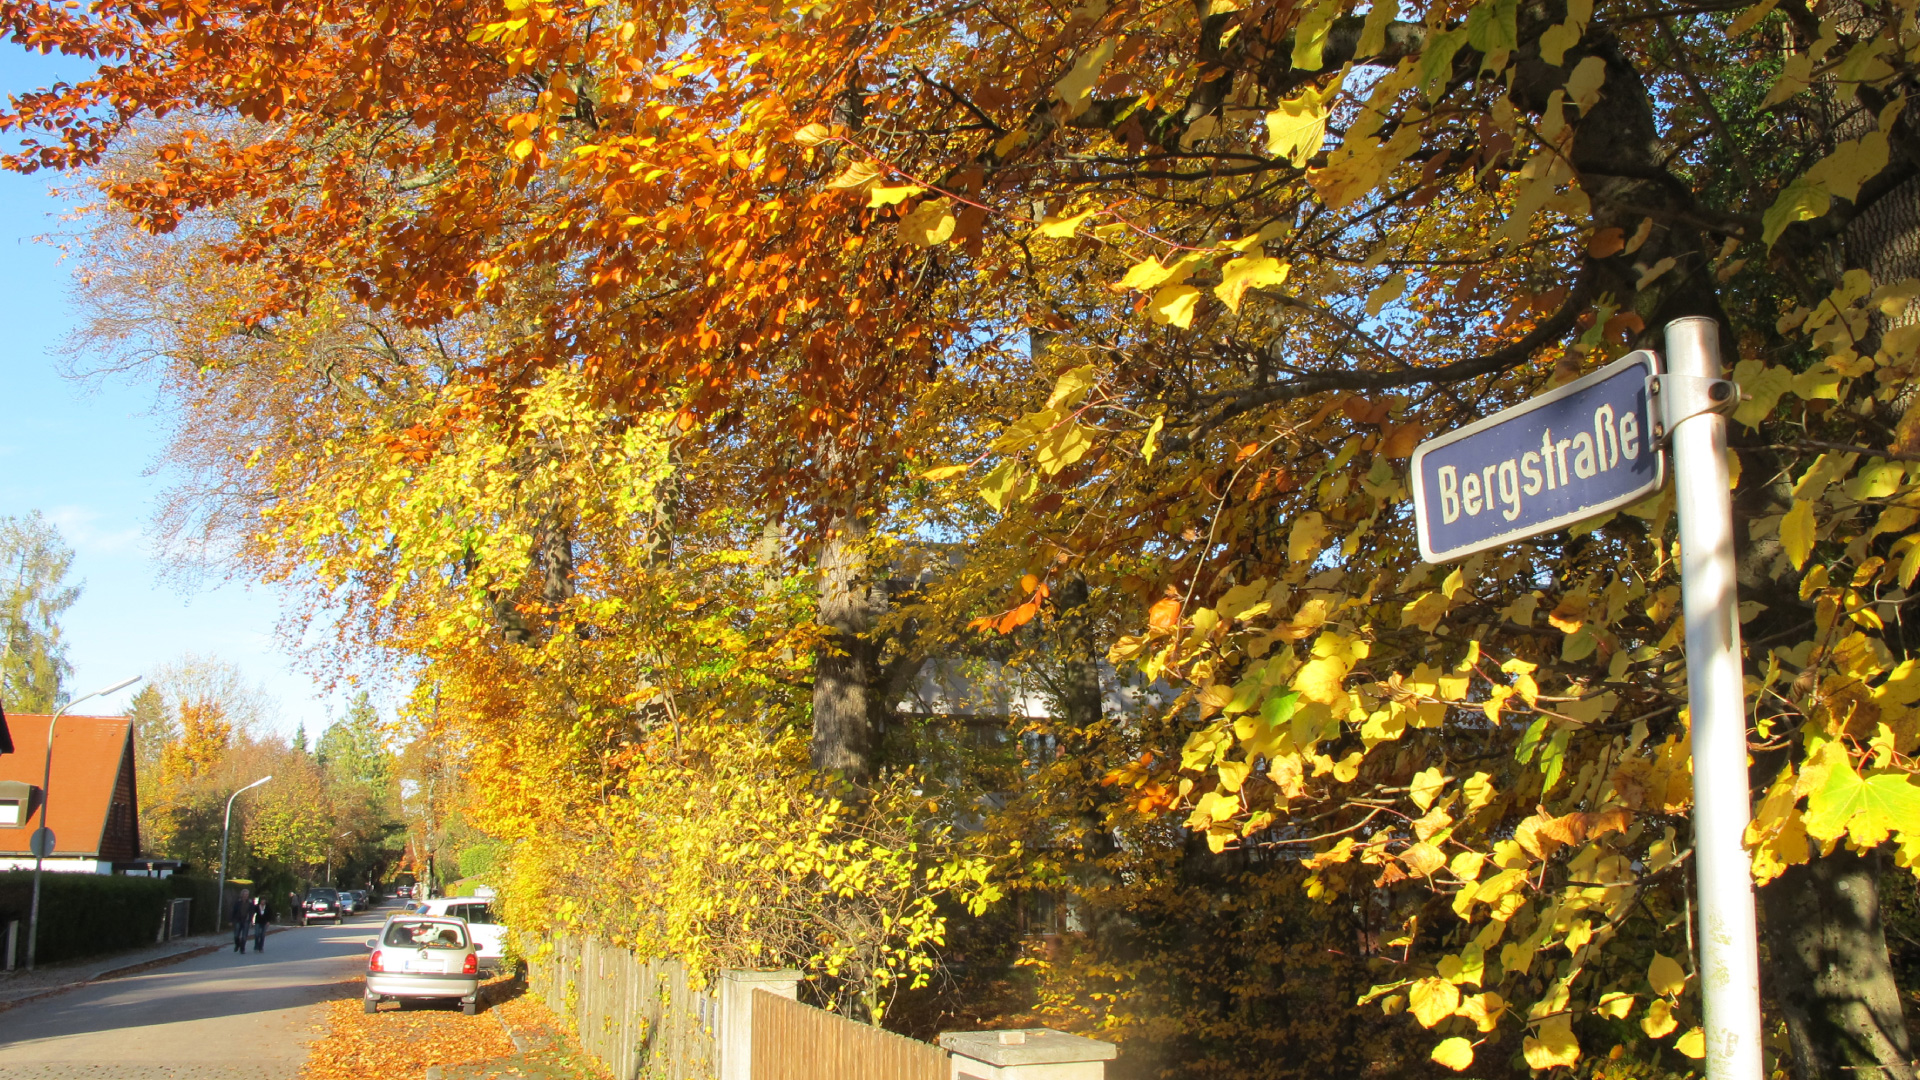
pixel 1426 787
pixel 1797 532
pixel 1059 228
pixel 997 487
pixel 1555 1047
pixel 1298 127
pixel 1068 444
pixel 1423 859
pixel 1483 1009
pixel 1666 976
pixel 1252 272
pixel 1433 1000
pixel 1348 767
pixel 1466 865
pixel 1817 383
pixel 1762 384
pixel 1749 19
pixel 1659 1021
pixel 1071 387
pixel 1310 35
pixel 1389 291
pixel 1851 164
pixel 929 224
pixel 812 135
pixel 1583 86
pixel 1616 1005
pixel 882 195
pixel 1455 1053
pixel 1373 32
pixel 1150 445
pixel 1077 88
pixel 1174 305
pixel 1322 679
pixel 944 472
pixel 1305 537
pixel 856 174
pixel 1693 1044
pixel 1425 612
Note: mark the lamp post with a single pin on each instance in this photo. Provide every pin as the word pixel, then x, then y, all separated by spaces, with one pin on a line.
pixel 220 911
pixel 329 881
pixel 43 838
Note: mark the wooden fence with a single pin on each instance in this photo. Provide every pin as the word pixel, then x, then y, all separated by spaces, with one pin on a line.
pixel 792 1041
pixel 638 1017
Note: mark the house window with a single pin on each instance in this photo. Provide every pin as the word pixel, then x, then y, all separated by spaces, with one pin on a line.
pixel 9 811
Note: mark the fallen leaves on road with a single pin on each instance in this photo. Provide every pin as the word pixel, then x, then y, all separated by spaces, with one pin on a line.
pixel 400 1042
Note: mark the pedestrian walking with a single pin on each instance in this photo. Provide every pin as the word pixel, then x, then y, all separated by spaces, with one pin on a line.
pixel 242 916
pixel 262 915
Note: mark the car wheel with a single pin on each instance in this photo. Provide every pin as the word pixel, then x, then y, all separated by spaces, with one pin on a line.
pixel 371 1004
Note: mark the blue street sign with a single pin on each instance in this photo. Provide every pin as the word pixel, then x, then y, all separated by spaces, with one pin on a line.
pixel 1570 454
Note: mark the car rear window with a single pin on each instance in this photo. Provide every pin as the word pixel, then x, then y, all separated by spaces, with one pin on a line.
pixel 323 894
pixel 425 934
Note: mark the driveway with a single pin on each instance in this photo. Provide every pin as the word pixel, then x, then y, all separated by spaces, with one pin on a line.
pixel 222 1016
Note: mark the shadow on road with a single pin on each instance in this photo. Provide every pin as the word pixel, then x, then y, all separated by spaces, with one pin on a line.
pixel 300 968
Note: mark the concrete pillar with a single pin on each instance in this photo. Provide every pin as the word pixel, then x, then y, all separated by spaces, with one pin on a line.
pixel 734 1038
pixel 1026 1054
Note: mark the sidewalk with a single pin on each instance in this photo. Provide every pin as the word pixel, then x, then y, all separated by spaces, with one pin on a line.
pixel 46 980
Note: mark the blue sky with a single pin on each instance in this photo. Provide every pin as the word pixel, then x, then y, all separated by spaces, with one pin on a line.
pixel 83 454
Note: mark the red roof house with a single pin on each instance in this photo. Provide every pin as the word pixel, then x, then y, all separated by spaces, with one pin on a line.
pixel 95 809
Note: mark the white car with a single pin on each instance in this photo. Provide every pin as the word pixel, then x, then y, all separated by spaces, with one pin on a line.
pixel 488 935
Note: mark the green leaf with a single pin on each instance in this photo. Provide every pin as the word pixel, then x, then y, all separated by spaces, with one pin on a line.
pixel 1802 199
pixel 1491 26
pixel 1436 60
pixel 1866 808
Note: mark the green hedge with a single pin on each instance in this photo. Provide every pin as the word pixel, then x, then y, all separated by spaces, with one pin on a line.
pixel 86 914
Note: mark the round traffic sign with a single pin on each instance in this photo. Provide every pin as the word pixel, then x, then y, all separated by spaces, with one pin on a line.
pixel 41 843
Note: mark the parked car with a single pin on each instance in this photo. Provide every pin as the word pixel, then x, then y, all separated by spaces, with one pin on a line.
pixel 477 913
pixel 321 904
pixel 421 956
pixel 403 891
pixel 347 903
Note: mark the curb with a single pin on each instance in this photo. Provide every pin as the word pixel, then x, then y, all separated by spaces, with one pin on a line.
pixel 122 972
pixel 519 1042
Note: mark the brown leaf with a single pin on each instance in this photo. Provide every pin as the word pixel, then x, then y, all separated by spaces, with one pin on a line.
pixel 1606 242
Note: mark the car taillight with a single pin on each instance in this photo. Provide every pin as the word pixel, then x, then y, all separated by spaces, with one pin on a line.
pixel 472 965
pixel 373 962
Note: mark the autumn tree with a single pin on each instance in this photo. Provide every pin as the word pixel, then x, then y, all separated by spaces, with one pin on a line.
pixel 1269 246
pixel 34 594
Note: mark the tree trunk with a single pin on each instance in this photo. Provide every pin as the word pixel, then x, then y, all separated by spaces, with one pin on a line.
pixel 1080 698
pixel 1830 973
pixel 844 668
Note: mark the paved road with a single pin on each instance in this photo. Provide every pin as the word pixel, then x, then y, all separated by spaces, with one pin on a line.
pixel 221 1017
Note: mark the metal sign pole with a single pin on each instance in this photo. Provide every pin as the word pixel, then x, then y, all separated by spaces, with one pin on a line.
pixel 1716 693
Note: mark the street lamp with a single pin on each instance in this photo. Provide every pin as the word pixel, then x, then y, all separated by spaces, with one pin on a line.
pixel 220 911
pixel 329 882
pixel 43 837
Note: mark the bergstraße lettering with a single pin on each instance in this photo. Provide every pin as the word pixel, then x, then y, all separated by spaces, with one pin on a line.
pixel 1566 455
